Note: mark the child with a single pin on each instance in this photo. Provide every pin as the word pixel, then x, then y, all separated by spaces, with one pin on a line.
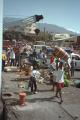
pixel 52 81
pixel 33 85
pixel 60 81
pixel 33 81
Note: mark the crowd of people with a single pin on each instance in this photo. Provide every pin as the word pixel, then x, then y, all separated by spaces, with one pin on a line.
pixel 10 58
pixel 56 75
pixel 57 67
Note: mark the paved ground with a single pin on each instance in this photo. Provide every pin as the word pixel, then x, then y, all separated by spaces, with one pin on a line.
pixel 1 110
pixel 42 106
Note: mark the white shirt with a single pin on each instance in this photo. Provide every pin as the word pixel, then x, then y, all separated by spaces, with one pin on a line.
pixel 60 76
pixel 12 55
pixel 36 74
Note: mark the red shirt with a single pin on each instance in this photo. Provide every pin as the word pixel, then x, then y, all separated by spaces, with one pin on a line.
pixel 51 59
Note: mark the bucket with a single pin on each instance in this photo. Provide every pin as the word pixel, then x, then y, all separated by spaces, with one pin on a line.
pixel 22 97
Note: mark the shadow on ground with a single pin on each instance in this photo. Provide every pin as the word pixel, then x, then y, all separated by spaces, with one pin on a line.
pixel 51 99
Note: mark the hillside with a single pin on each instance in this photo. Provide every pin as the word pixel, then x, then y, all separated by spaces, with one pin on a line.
pixel 51 28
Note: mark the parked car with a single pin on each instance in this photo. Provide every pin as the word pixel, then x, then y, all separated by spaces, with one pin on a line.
pixel 41 47
pixel 68 50
pixel 38 47
pixel 77 60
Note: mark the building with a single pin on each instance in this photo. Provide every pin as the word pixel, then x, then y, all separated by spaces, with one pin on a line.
pixel 61 36
pixel 66 42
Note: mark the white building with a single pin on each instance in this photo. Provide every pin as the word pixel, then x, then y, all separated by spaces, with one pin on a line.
pixel 61 36
pixel 66 42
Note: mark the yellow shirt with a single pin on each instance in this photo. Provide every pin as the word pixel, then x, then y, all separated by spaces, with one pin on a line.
pixel 4 57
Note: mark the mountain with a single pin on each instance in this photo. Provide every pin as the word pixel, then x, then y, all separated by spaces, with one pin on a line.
pixel 51 28
pixel 54 28
pixel 10 21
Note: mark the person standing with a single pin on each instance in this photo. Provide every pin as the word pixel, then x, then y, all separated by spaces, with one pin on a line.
pixel 8 56
pixel 52 81
pixel 40 54
pixel 44 58
pixel 4 58
pixel 60 81
pixel 72 67
pixel 17 59
pixel 33 80
pixel 69 68
pixel 12 57
pixel 34 53
pixel 32 84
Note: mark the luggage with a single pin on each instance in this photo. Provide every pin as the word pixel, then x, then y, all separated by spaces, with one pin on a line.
pixel 60 53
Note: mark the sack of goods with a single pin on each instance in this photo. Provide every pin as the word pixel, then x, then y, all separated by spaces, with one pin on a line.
pixel 60 53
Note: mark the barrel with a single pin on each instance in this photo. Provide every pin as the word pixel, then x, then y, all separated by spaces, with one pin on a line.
pixel 60 53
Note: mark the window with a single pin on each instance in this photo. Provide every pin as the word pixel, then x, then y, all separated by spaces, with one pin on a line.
pixel 77 57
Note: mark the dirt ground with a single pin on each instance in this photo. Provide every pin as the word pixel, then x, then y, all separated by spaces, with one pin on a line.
pixel 43 105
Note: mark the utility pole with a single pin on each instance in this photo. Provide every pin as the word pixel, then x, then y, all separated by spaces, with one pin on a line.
pixel 1 20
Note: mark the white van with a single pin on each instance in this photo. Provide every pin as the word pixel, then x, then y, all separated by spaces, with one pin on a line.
pixel 38 47
pixel 40 43
pixel 77 60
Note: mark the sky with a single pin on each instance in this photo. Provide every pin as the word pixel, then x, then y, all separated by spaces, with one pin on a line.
pixel 65 13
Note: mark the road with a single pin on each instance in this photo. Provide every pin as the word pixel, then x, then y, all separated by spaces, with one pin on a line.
pixel 43 105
